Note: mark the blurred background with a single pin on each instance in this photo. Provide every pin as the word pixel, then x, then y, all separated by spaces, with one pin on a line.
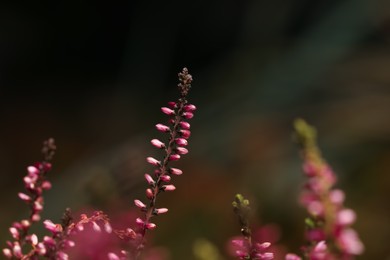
pixel 94 76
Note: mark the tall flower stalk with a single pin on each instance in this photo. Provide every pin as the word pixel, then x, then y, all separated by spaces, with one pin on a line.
pixel 178 131
pixel 329 231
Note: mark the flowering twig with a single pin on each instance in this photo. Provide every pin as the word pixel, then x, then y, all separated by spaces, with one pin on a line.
pixel 328 228
pixel 178 130
pixel 35 183
pixel 245 248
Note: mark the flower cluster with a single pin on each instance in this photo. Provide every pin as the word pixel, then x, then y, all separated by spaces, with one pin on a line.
pixel 245 248
pixel 328 227
pixel 178 130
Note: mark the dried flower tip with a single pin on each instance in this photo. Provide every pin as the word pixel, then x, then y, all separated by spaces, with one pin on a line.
pixel 24 197
pixel 185 133
pixel 150 226
pixel 181 150
pixel 169 187
pixel 168 111
pixel 139 204
pixel 157 143
pixel 190 107
pixel 32 170
pixel 172 104
pixel 175 171
pixel 165 178
pixel 162 128
pixel 188 115
pixel 149 194
pixel 153 161
pixel 181 141
pixel 184 125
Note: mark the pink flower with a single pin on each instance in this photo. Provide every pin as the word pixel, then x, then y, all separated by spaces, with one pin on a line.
pixel 153 161
pixel 162 128
pixel 167 111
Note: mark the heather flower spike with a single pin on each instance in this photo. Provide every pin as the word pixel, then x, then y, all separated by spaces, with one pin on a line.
pixel 329 221
pixel 35 182
pixel 244 247
pixel 177 129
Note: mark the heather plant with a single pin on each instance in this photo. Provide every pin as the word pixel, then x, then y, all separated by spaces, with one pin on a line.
pixel 328 233
pixel 26 245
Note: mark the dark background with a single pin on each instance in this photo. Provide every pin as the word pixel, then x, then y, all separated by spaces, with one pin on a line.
pixel 94 75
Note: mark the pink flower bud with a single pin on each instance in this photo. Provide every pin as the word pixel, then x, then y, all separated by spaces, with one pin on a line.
pixel 112 256
pixel 165 178
pixel 150 226
pixel 181 150
pixel 46 185
pixel 14 233
pixel 49 241
pixel 167 111
pixel 345 217
pixel 190 107
pixel 55 228
pixel 263 246
pixel 37 206
pixel 7 253
pixel 162 128
pixel 161 211
pixel 34 239
pixel 32 170
pixel 17 250
pixel 149 179
pixel 139 204
pixel 62 256
pixel 140 222
pixel 36 217
pixel 292 257
pixel 169 187
pixel 184 125
pixel 153 161
pixel 149 194
pixel 107 227
pixel 174 157
pixel 47 166
pixel 96 227
pixel 188 115
pixel 172 104
pixel 25 223
pixel 175 171
pixel 24 196
pixel 157 143
pixel 181 141
pixel 41 248
pixel 185 133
